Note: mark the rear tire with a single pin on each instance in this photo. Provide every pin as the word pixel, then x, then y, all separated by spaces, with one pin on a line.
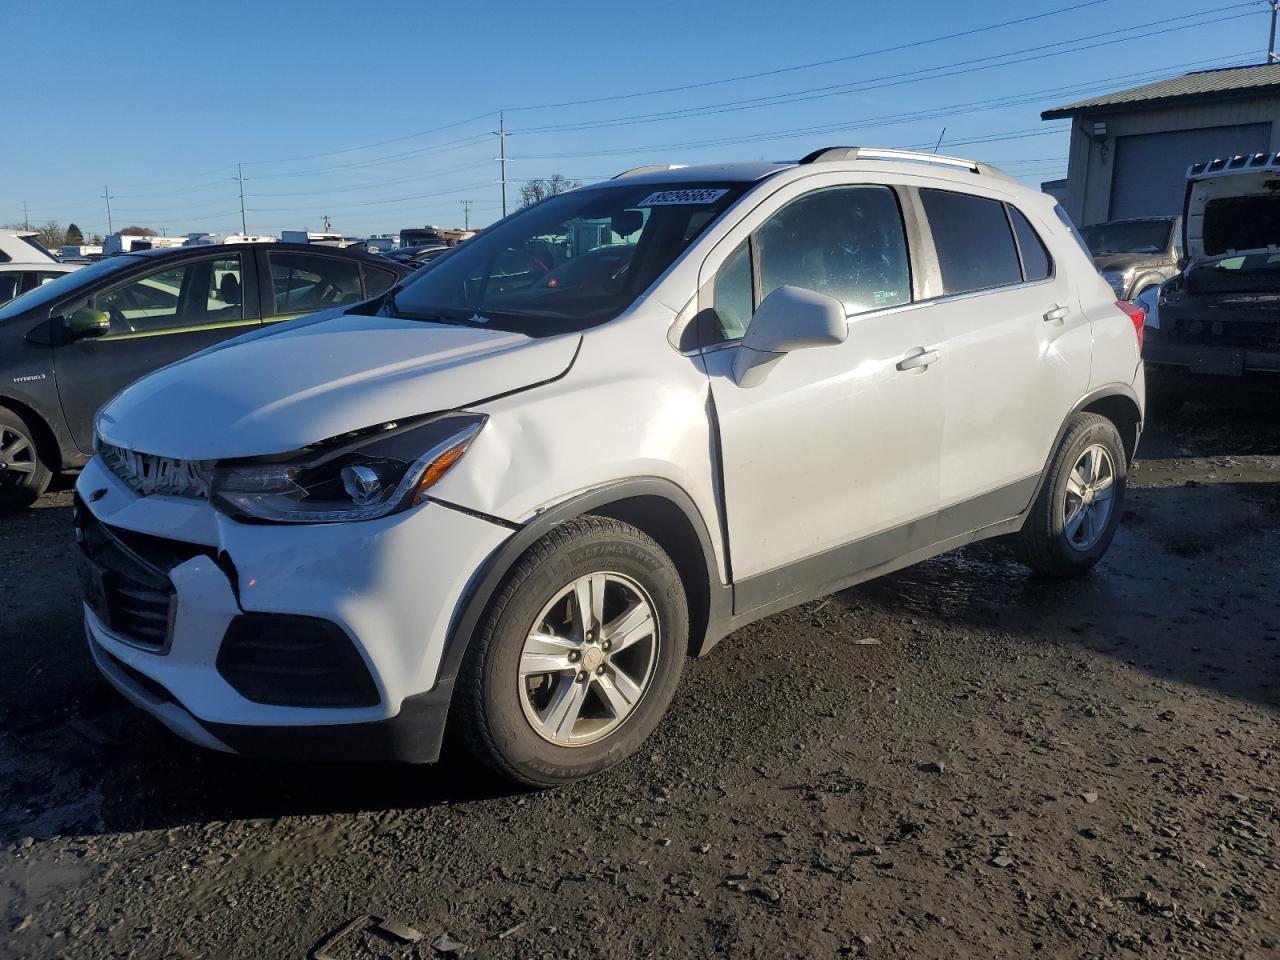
pixel 1074 517
pixel 577 657
pixel 24 477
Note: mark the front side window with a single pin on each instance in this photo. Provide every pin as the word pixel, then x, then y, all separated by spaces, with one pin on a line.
pixel 305 282
pixel 972 240
pixel 570 262
pixel 846 242
pixel 191 294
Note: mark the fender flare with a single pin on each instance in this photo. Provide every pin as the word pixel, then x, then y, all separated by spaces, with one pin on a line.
pixel 1118 389
pixel 484 585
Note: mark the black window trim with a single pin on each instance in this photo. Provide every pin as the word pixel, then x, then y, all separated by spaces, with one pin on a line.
pixel 209 253
pixel 897 190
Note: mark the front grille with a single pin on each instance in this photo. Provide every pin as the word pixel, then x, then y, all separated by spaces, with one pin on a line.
pixel 133 598
pixel 146 474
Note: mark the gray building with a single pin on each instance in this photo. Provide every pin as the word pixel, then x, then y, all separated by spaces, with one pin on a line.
pixel 1130 150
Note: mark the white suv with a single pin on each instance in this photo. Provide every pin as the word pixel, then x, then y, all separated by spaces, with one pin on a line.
pixel 516 491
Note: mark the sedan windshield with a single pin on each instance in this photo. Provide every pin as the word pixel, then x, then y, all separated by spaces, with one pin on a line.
pixel 1133 236
pixel 570 262
pixel 65 286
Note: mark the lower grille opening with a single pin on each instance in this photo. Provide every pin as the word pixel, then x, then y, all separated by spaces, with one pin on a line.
pixel 294 661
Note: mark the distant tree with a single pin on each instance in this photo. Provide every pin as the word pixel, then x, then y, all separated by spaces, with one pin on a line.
pixel 538 190
pixel 97 238
pixel 136 231
pixel 75 236
pixel 51 235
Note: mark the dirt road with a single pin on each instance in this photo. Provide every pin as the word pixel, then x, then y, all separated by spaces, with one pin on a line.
pixel 1013 768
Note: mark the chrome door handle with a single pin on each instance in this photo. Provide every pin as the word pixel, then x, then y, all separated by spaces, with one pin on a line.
pixel 1056 314
pixel 918 361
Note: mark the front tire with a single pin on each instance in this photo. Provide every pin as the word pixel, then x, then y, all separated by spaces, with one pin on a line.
pixel 578 656
pixel 24 477
pixel 1074 517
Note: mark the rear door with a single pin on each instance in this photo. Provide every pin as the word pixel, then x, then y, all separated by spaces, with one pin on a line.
pixel 157 317
pixel 1017 351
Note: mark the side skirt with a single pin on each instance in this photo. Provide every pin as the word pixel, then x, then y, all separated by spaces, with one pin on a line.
pixel 992 514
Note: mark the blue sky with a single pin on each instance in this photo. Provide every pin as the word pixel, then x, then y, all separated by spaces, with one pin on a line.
pixel 381 114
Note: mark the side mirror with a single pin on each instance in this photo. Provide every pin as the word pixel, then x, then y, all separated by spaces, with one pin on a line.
pixel 86 323
pixel 790 318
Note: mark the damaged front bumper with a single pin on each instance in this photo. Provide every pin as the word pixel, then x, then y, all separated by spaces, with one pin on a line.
pixel 309 641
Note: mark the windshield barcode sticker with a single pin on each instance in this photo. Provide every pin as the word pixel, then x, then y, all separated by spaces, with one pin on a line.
pixel 667 198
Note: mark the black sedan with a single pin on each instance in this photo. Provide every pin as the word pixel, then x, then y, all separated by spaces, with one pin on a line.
pixel 70 345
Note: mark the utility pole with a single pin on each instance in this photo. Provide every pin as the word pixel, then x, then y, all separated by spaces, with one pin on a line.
pixel 106 195
pixel 466 214
pixel 26 217
pixel 1271 45
pixel 327 225
pixel 502 158
pixel 240 176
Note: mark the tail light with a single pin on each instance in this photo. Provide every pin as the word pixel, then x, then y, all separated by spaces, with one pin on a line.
pixel 1138 314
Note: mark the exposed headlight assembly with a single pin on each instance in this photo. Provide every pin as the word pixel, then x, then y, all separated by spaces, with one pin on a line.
pixel 359 476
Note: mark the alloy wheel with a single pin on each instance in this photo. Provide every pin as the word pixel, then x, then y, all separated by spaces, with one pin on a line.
pixel 1090 497
pixel 589 659
pixel 18 460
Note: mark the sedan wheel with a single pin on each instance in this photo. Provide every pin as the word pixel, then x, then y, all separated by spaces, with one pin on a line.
pixel 23 475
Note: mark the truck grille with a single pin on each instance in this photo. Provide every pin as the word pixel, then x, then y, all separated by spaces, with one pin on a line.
pixel 146 474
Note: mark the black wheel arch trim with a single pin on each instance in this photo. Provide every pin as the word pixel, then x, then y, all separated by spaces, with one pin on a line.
pixel 1122 390
pixel 484 585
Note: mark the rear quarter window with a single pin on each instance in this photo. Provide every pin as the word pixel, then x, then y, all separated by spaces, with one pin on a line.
pixel 1036 264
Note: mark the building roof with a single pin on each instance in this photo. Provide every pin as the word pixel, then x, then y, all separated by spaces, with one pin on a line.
pixel 1222 83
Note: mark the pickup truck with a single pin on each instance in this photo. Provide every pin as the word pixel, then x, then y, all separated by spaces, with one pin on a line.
pixel 1216 328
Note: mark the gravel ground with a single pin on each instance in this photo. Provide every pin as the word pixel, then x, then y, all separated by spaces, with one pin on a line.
pixel 957 760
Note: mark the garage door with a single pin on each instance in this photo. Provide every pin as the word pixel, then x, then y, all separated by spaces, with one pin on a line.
pixel 1151 169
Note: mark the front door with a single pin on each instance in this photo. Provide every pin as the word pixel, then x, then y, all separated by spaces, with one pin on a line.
pixel 830 465
pixel 156 319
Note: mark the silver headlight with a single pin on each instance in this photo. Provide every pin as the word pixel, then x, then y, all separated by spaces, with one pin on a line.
pixel 360 476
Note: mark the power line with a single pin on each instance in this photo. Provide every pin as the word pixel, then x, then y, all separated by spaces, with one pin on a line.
pixel 937 72
pixel 807 66
pixel 975 106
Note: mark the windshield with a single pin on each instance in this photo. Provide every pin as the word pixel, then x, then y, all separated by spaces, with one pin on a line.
pixel 1134 236
pixel 570 262
pixel 65 286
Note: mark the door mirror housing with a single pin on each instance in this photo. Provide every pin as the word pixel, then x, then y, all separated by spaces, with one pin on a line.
pixel 86 323
pixel 790 318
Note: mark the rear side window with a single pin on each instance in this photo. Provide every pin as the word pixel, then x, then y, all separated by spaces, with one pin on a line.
pixel 304 282
pixel 1036 264
pixel 973 241
pixel 10 285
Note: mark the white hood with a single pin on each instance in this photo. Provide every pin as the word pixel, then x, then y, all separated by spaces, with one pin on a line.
pixel 285 387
